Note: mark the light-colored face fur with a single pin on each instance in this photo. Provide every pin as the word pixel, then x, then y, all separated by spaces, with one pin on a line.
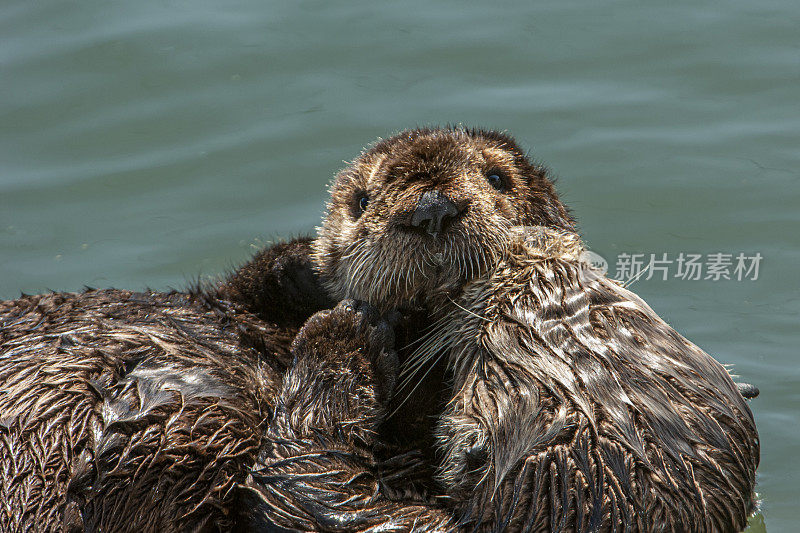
pixel 368 248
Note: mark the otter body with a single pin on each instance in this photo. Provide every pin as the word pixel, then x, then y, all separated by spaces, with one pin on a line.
pixel 576 408
pixel 560 400
pixel 157 412
pixel 96 384
pixel 573 406
pixel 124 395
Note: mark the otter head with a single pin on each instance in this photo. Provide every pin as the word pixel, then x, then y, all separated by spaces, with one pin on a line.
pixel 417 215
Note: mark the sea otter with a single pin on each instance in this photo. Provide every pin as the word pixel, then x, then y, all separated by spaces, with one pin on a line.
pixel 570 389
pixel 198 411
pixel 85 373
pixel 413 223
pixel 573 406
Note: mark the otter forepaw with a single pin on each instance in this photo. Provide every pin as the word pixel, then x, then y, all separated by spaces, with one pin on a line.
pixel 354 337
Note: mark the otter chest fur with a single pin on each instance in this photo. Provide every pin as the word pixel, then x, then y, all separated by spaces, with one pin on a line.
pixel 576 408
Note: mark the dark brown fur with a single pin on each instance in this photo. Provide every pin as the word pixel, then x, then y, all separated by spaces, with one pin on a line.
pixel 200 396
pixel 127 411
pixel 319 472
pixel 114 394
pixel 574 407
pixel 578 409
pixel 96 385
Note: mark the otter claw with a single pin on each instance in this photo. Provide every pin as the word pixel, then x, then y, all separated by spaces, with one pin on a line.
pixel 370 314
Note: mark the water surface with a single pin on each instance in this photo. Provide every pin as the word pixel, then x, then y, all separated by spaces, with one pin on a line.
pixel 148 143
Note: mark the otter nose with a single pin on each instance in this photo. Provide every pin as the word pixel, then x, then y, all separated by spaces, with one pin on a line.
pixel 434 212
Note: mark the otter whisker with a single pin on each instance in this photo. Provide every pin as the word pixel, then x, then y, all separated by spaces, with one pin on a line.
pixel 409 377
pixel 432 342
pixel 356 271
pixel 355 249
pixel 419 357
pixel 430 330
pixel 468 311
pixel 423 355
pixel 419 382
pixel 425 342
pixel 474 262
pixel 636 278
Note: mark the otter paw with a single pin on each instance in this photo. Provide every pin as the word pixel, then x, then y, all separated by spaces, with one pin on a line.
pixel 354 337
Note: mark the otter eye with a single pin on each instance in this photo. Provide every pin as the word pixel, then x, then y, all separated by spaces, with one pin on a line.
pixel 495 179
pixel 362 201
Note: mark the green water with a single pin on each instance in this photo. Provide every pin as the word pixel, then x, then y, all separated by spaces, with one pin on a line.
pixel 147 143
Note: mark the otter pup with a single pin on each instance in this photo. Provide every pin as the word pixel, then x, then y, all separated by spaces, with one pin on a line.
pixel 318 470
pixel 124 411
pixel 89 375
pixel 573 407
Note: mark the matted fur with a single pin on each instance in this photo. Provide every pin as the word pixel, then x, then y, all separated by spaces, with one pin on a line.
pixel 574 406
pixel 158 412
pixel 113 396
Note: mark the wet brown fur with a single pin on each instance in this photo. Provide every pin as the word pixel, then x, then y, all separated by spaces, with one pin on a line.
pixel 201 397
pixel 123 411
pixel 578 409
pixel 118 394
pixel 372 257
pixel 89 378
pixel 573 406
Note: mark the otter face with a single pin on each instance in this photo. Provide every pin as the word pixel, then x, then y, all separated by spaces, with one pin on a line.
pixel 421 213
